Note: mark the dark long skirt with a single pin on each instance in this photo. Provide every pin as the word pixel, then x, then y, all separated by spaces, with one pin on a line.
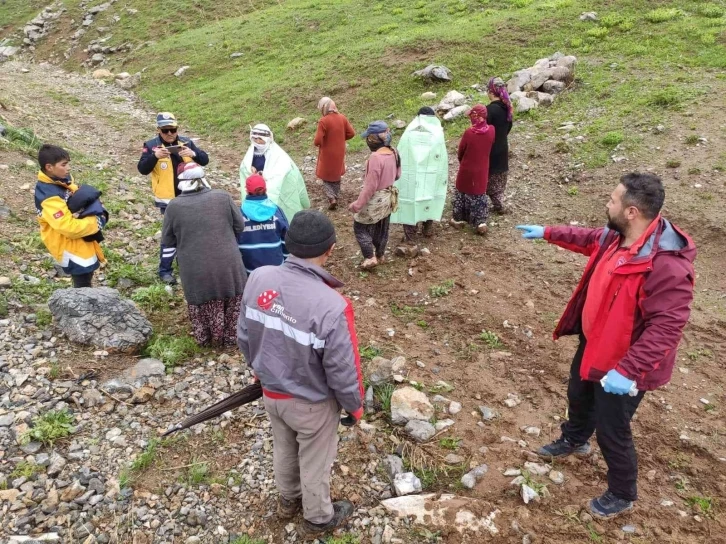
pixel 474 209
pixel 215 322
pixel 372 238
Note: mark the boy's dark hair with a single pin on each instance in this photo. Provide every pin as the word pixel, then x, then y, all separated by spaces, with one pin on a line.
pixel 645 192
pixel 51 154
pixel 259 191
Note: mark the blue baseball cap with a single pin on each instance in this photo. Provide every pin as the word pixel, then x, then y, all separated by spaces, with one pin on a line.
pixel 165 119
pixel 376 127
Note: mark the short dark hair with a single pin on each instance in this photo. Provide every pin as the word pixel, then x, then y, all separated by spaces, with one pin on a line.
pixel 51 154
pixel 645 192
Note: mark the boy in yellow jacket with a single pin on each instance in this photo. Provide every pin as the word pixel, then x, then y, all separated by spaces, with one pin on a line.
pixel 63 233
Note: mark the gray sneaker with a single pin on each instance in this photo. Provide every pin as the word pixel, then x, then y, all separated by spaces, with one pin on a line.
pixel 608 506
pixel 562 448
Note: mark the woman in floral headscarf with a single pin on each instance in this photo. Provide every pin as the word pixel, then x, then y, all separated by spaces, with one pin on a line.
pixel 470 198
pixel 499 115
pixel 333 131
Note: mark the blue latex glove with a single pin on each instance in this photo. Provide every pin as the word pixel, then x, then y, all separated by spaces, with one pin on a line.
pixel 532 232
pixel 617 384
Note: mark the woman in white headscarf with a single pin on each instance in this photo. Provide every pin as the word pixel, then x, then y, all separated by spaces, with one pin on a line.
pixel 285 184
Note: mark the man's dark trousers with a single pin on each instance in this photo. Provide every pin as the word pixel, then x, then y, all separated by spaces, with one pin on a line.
pixel 591 409
pixel 166 255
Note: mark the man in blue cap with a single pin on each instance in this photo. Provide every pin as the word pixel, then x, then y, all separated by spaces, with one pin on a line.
pixel 161 157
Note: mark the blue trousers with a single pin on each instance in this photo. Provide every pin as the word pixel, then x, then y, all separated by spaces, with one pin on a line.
pixel 166 255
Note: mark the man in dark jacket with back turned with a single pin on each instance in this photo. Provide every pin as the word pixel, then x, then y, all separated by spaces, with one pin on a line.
pixel 298 335
pixel 629 310
pixel 162 164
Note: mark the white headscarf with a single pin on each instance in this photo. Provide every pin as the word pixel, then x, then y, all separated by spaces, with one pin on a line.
pixel 264 132
pixel 326 105
pixel 192 178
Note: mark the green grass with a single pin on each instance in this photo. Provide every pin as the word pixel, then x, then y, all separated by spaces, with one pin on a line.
pixel 662 15
pixel 153 298
pixel 197 474
pixel 43 318
pixel 369 352
pixel 383 395
pixel 442 289
pixel 172 350
pixel 450 443
pixel 244 539
pixel 49 427
pixel 344 539
pixel 705 505
pixel 611 139
pixel 146 458
pixel 26 469
pixel 691 139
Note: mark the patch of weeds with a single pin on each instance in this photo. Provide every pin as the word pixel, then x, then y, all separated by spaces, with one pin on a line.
pixel 23 139
pixel 146 457
pixel 153 298
pixel 387 29
pixel 26 470
pixel 598 32
pixel 344 539
pixel 441 387
pixel 672 163
pixel 694 171
pixel 244 539
pixel 710 407
pixel 124 479
pixel 54 371
pixel 369 352
pixel 611 139
pixel 708 38
pixel 4 310
pixel 405 311
pixel 172 350
pixel 691 139
pixel 679 461
pixel 491 339
pixel 423 324
pixel 197 474
pixel 712 11
pixel 663 15
pixel 423 535
pixel 562 147
pixel 49 427
pixel 592 534
pixel 521 3
pixel 43 318
pixel 572 191
pixel 668 97
pixel 383 394
pixel 705 505
pixel 681 483
pixel 418 385
pixel 531 482
pixel 217 436
pixel 695 354
pixel 441 290
pixel 450 443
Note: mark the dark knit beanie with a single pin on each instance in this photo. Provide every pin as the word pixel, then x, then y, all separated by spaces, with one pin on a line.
pixel 310 234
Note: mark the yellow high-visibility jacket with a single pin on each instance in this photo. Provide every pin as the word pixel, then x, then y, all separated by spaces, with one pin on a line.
pixel 62 233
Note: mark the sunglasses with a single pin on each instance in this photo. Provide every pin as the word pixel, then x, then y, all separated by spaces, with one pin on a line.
pixel 168 130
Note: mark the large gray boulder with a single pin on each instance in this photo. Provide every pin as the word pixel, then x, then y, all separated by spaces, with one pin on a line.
pixel 408 403
pixel 100 317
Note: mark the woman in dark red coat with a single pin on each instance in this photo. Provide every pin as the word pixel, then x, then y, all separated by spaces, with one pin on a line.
pixel 333 130
pixel 470 198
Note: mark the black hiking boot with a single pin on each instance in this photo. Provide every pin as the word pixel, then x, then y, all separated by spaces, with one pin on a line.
pixel 286 509
pixel 168 278
pixel 562 448
pixel 342 510
pixel 608 506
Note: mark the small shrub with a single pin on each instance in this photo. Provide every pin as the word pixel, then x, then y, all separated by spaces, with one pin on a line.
pixel 450 443
pixel 387 29
pixel 611 139
pixel 598 32
pixel 152 298
pixel 576 43
pixel 147 457
pixel 198 473
pixel 712 11
pixel 54 371
pixel 491 339
pixel 672 163
pixel 572 191
pixel 26 470
pixel 694 171
pixel 708 38
pixel 344 539
pixel 49 427
pixel 383 394
pixel 662 15
pixel 706 505
pixel 442 290
pixel 422 323
pixel 244 539
pixel 369 352
pixel 4 310
pixel 669 97
pixel 692 139
pixel 562 147
pixel 172 350
pixel 43 318
pixel 521 3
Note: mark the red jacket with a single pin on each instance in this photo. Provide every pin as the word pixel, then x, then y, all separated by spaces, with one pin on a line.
pixel 333 130
pixel 473 154
pixel 645 307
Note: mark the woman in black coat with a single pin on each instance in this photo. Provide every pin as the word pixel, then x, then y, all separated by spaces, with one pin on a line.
pixel 499 114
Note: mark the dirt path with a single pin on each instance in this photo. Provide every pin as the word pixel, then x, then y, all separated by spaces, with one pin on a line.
pixel 501 284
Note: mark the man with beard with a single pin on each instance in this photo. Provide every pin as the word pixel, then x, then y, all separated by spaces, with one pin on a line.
pixel 629 311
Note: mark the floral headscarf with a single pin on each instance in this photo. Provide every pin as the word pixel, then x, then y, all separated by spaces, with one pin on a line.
pixel 498 88
pixel 478 116
pixel 326 105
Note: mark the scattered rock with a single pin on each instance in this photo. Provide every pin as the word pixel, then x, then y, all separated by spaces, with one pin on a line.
pixel 296 123
pixel 381 370
pixel 180 71
pixel 536 468
pixel 453 459
pixel 100 317
pixel 408 403
pixel 457 112
pixel 470 479
pixel 487 413
pixel 97 58
pixel 434 73
pixel 454 407
pixel 145 368
pixel 428 96
pixel 444 511
pixel 393 465
pixel 451 100
pixel 406 483
pixel 588 16
pixel 532 431
pixel 443 424
pixel 129 83
pixel 629 529
pixel 420 431
pixel 557 477
pixel 528 494
pixel 102 73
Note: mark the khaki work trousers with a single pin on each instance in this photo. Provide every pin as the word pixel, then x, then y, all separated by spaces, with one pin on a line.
pixel 305 442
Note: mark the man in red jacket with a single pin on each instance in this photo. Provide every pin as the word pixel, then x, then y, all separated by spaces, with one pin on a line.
pixel 629 311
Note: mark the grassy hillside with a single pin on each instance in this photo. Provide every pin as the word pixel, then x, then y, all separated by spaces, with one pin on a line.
pixel 639 59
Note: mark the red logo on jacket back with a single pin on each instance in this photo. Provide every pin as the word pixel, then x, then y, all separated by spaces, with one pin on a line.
pixel 264 301
pixel 58 214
